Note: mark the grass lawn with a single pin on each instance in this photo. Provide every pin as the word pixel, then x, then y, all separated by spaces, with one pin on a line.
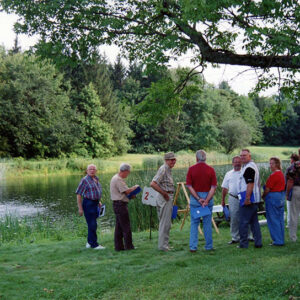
pixel 66 270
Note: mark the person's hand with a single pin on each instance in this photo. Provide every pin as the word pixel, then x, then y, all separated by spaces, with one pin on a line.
pixel 166 196
pixel 223 203
pixel 202 202
pixel 247 202
pixel 80 212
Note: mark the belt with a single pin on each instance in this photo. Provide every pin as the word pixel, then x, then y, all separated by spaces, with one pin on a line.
pixel 234 196
pixel 119 201
pixel 170 192
pixel 91 199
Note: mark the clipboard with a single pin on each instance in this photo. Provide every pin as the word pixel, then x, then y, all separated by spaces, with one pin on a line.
pixel 100 211
pixel 134 192
pixel 242 198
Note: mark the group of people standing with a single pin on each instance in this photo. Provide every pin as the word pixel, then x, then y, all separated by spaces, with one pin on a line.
pixel 278 187
pixel 241 184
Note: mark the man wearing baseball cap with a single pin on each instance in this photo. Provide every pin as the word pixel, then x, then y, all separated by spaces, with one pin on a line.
pixel 163 184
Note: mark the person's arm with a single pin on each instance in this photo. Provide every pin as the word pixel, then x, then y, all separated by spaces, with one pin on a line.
pixel 131 189
pixel 266 192
pixel 156 187
pixel 79 204
pixel 249 177
pixel 289 186
pixel 224 193
pixel 249 191
pixel 194 193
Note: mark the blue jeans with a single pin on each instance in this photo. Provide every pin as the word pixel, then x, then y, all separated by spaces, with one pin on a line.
pixel 248 216
pixel 275 216
pixel 207 224
pixel 90 213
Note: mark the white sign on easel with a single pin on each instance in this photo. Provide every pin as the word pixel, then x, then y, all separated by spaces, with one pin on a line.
pixel 149 196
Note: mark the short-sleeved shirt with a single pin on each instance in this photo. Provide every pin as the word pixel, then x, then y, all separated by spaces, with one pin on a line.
pixel 291 173
pixel 164 178
pixel 89 188
pixel 249 175
pixel 231 181
pixel 276 182
pixel 118 187
pixel 201 177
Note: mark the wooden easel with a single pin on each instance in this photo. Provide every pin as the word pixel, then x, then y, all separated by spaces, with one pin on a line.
pixel 187 209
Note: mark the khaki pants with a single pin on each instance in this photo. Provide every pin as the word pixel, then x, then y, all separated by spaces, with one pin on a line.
pixel 294 213
pixel 164 213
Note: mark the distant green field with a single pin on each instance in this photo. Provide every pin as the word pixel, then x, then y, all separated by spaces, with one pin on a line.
pixel 268 151
pixel 20 167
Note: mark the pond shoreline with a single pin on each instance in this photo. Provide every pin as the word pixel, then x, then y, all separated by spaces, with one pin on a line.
pixel 19 167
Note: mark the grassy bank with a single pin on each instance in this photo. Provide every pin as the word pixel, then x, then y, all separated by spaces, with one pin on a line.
pixel 51 269
pixel 20 167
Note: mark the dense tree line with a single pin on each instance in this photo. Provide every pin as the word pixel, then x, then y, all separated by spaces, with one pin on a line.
pixel 50 108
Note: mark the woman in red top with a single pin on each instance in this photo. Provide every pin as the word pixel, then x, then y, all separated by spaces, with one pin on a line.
pixel 274 196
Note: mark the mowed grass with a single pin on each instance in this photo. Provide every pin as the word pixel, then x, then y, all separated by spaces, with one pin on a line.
pixel 66 270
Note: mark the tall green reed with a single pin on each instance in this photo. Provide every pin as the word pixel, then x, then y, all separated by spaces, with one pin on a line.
pixel 31 229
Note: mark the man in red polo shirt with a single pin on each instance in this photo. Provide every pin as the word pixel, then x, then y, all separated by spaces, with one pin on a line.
pixel 202 183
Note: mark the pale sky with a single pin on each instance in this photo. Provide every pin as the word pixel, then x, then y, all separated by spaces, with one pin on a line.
pixel 240 81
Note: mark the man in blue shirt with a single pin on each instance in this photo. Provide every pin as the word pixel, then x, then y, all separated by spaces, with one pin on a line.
pixel 89 193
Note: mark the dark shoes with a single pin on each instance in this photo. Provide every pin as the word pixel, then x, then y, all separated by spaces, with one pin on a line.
pixel 233 242
pixel 276 245
pixel 193 251
pixel 258 246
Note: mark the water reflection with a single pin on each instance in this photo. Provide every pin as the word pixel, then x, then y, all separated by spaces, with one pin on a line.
pixel 44 195
pixel 54 196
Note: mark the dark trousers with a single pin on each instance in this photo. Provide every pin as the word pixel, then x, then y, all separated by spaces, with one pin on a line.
pixel 122 229
pixel 248 216
pixel 90 213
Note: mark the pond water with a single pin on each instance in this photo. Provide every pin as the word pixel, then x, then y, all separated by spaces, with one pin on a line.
pixel 54 196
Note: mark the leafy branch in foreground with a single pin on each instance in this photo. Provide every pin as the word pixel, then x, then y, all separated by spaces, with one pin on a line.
pixel 259 34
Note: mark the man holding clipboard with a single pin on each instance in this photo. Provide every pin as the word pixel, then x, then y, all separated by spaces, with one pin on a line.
pixel 120 194
pixel 249 196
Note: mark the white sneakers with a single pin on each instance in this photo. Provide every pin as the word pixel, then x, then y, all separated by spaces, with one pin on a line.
pixel 97 248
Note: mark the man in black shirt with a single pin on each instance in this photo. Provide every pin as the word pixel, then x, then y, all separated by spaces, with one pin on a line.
pixel 249 187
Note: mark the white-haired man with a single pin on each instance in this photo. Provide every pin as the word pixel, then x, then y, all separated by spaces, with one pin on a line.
pixel 118 193
pixel 202 183
pixel 89 193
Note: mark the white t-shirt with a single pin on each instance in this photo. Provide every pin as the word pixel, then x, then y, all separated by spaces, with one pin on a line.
pixel 231 181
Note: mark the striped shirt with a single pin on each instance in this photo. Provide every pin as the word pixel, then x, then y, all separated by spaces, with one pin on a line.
pixel 89 188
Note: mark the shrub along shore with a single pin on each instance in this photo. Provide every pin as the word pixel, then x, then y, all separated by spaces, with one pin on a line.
pixel 20 167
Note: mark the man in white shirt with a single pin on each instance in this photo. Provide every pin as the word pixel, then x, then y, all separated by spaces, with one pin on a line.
pixel 230 186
